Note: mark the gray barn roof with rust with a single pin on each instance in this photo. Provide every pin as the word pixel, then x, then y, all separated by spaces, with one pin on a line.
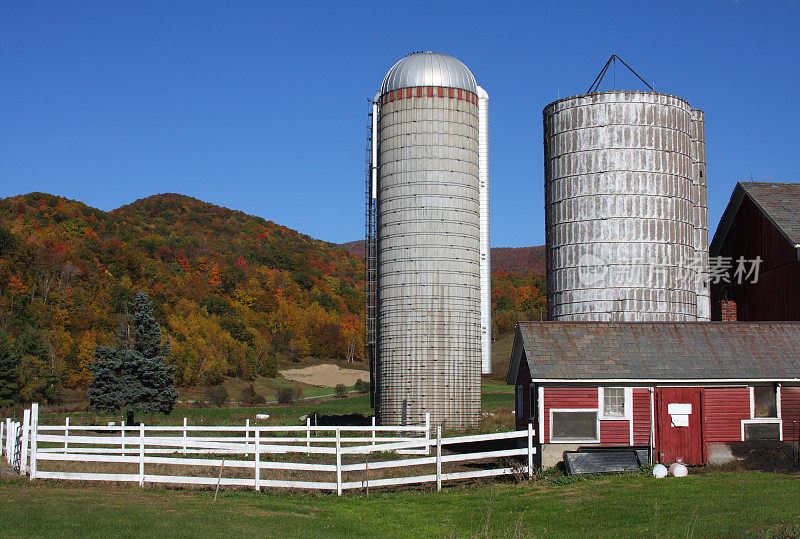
pixel 657 351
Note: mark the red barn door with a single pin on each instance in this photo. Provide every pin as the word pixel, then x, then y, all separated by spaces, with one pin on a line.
pixel 679 429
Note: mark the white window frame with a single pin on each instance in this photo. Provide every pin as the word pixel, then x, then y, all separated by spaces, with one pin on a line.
pixel 628 405
pixel 757 420
pixel 578 441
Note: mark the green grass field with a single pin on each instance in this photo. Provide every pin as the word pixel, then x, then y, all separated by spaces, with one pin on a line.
pixel 716 504
pixel 496 398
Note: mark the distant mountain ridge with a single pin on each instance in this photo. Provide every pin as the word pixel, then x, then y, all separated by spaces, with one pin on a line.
pixel 506 259
pixel 237 294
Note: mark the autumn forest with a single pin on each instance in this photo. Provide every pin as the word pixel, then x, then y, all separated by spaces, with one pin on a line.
pixel 237 295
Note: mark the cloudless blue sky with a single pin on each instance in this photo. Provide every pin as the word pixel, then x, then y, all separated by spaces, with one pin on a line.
pixel 261 106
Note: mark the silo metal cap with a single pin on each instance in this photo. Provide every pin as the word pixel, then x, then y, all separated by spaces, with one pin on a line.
pixel 429 69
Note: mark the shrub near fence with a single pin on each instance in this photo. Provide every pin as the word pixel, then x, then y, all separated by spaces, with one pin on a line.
pixel 253 451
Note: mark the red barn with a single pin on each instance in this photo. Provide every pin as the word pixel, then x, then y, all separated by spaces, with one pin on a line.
pixel 688 390
pixel 762 221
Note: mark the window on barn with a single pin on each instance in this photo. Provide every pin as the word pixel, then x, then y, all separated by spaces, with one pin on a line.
pixel 573 426
pixel 764 422
pixel 532 400
pixel 614 402
pixel 762 431
pixel 765 403
pixel 520 413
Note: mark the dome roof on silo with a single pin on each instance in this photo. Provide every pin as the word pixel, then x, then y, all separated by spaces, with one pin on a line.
pixel 429 69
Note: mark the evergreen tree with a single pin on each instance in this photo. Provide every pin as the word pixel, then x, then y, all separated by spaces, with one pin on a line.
pixel 8 371
pixel 38 381
pixel 134 376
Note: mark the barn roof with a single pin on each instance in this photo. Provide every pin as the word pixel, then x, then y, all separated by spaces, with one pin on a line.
pixel 779 202
pixel 657 351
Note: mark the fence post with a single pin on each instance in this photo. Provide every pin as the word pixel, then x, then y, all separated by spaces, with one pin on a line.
pixel 122 437
pixel 338 464
pixel 23 454
pixel 8 439
pixel 66 435
pixel 530 451
pixel 427 433
pixel 34 437
pixel 141 454
pixel 373 430
pixel 257 461
pixel 438 458
pixel 308 431
pixel 184 435
pixel 246 434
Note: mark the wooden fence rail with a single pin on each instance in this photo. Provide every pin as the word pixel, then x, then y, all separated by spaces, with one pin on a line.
pixel 172 445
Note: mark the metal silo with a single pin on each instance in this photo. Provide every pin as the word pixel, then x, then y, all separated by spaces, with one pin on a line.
pixel 625 208
pixel 426 183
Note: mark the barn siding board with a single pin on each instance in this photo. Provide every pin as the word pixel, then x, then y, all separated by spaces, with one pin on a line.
pixel 566 397
pixel 617 432
pixel 641 416
pixel 523 379
pixel 790 412
pixel 724 409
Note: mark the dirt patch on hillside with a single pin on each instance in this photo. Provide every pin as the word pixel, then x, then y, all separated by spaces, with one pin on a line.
pixel 327 375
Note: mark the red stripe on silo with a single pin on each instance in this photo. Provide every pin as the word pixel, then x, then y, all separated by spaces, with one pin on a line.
pixel 441 91
pixel 408 92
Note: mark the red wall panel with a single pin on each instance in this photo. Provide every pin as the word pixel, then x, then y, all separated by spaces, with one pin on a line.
pixel 790 412
pixel 615 432
pixel 723 411
pixel 566 397
pixel 641 416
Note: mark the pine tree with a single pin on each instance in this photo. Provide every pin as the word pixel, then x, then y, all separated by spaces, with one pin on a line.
pixel 134 376
pixel 8 371
pixel 36 376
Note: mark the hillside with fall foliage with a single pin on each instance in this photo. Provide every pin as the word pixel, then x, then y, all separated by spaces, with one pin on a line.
pixel 235 293
pixel 522 260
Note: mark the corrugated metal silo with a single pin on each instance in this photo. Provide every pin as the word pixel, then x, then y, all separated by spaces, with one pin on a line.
pixel 428 208
pixel 625 208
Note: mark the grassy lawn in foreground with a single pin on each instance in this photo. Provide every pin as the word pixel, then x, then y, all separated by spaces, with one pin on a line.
pixel 716 504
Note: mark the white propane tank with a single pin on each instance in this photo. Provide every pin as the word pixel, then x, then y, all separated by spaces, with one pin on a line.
pixel 659 471
pixel 678 470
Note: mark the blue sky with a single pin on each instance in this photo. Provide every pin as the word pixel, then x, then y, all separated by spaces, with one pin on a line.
pixel 262 106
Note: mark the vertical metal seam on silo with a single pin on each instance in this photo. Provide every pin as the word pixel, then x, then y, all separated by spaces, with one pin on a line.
pixel 485 254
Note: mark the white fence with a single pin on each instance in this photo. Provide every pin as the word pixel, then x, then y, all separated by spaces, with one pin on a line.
pixel 251 452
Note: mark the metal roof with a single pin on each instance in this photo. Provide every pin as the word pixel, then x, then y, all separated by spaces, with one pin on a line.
pixel 669 351
pixel 780 203
pixel 429 69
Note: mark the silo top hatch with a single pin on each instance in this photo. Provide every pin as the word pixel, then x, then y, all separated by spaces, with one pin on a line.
pixel 429 69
